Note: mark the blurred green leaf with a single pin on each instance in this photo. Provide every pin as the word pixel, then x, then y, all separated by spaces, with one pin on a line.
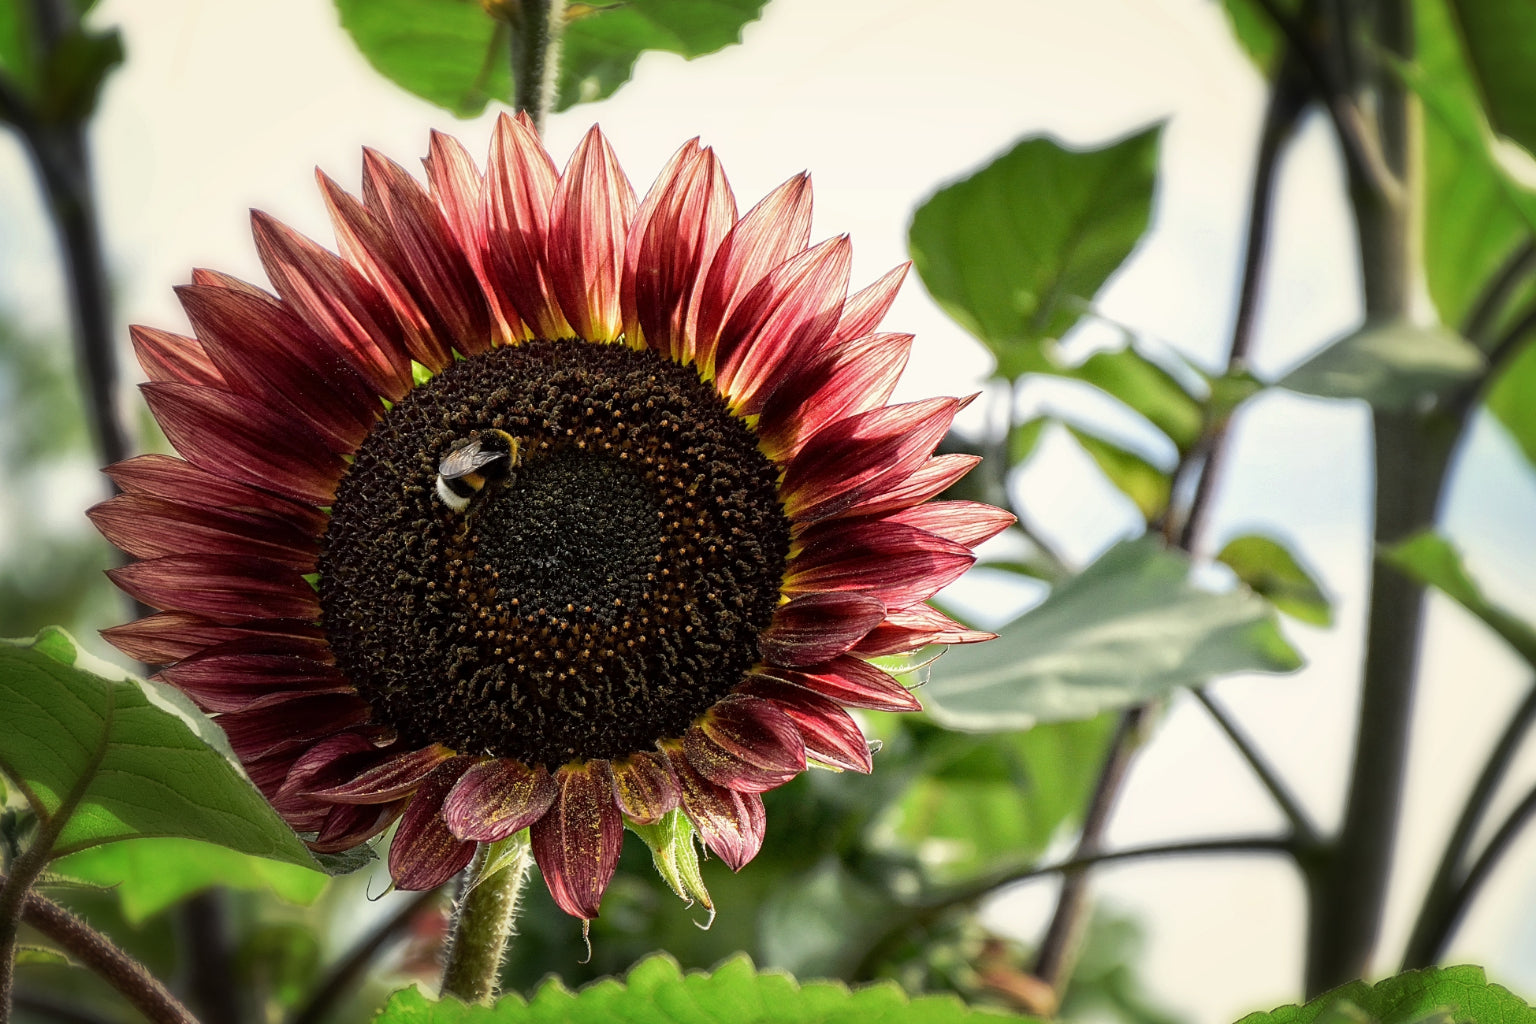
pixel 1435 562
pixel 1149 389
pixel 150 875
pixel 1476 214
pixel 1129 628
pixel 1460 994
pixel 1392 366
pixel 452 53
pixel 821 925
pixel 1015 251
pixel 1512 400
pixel 657 992
pixel 1255 30
pixel 981 800
pixel 1142 482
pixel 1230 391
pixel 1270 569
pixel 136 754
pixel 1500 38
pixel 1024 438
pixel 74 72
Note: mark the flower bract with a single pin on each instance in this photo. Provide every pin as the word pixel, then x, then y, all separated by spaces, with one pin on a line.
pixel 539 507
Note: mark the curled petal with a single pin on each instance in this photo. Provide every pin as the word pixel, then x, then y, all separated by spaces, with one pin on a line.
pixel 730 822
pixel 347 825
pixel 329 761
pixel 644 787
pixel 577 842
pixel 424 853
pixel 813 628
pixel 747 744
pixel 498 798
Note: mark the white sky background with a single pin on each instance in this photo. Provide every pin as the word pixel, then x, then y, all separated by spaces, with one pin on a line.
pixel 224 106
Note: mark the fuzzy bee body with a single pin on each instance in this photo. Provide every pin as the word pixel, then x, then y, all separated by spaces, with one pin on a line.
pixel 464 471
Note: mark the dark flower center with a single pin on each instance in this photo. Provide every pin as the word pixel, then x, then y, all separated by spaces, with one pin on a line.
pixel 596 599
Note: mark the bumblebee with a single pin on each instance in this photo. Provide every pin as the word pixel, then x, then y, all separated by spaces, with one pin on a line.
pixel 489 457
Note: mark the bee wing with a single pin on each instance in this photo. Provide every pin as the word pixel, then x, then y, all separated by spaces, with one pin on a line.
pixel 466 460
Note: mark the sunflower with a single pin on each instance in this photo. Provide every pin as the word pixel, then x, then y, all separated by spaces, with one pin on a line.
pixel 539 508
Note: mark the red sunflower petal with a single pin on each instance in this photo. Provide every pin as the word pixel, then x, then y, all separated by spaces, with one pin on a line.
pixel 424 853
pixel 251 673
pixel 928 480
pixel 337 303
pixel 851 378
pixel 170 636
pixel 850 681
pixel 782 323
pixel 262 732
pixel 519 184
pixel 731 823
pixel 268 354
pixel 964 522
pixel 746 744
pixel 588 231
pixel 913 627
pixel 864 310
pixel 148 527
pixel 498 798
pixel 163 476
pixel 644 787
pixel 770 233
pixel 813 628
pixel 228 589
pixel 457 188
pixel 347 825
pixel 577 842
pixel 246 439
pixel 897 564
pixel 389 780
pixel 332 759
pixel 167 356
pixel 831 736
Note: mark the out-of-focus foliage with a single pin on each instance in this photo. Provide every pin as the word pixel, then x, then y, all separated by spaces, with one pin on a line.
pixel 58 83
pixel 1449 995
pixel 1393 366
pixel 1269 569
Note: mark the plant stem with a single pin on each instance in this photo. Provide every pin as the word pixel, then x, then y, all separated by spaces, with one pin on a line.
pixel 1306 832
pixel 1440 909
pixel 537 27
pixel 102 956
pixel 346 973
pixel 485 918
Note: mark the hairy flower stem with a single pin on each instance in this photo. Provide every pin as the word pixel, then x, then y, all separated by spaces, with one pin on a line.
pixel 537 27
pixel 485 918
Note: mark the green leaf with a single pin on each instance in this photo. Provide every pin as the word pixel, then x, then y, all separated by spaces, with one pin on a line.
pixel 150 875
pixel 1024 438
pixel 74 72
pixel 1459 994
pixel 1127 629
pixel 1138 479
pixel 1016 251
pixel 657 992
pixel 1270 569
pixel 452 53
pixel 1435 562
pixel 1394 367
pixel 823 923
pixel 141 761
pixel 1149 389
pixel 1500 37
pixel 1512 400
pixel 981 800
pixel 1255 30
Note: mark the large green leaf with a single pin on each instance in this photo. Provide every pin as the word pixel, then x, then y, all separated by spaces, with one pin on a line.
pixel 1269 568
pixel 1452 995
pixel 1391 366
pixel 452 53
pixel 1129 628
pixel 1017 250
pixel 1435 562
pixel 150 875
pixel 657 992
pixel 137 758
pixel 1500 38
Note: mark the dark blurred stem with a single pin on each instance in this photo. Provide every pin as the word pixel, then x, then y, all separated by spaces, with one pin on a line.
pixel 100 955
pixel 345 975
pixel 1484 314
pixel 485 919
pixel 1347 889
pixel 537 27
pixel 1445 900
pixel 1306 832
pixel 1058 950
pixel 209 958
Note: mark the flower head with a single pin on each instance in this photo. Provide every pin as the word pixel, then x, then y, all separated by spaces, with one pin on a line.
pixel 538 507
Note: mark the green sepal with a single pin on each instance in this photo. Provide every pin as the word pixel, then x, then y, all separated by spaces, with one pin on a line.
pixel 675 855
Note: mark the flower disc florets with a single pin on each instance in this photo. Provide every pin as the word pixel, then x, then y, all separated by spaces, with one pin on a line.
pixel 538 508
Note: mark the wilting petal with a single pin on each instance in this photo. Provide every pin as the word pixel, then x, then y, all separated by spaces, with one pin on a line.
pixel 851 681
pixel 167 356
pixel 424 853
pixel 577 842
pixel 746 744
pixel 588 230
pixel 498 798
pixel 392 779
pixel 814 628
pixel 831 736
pixel 224 588
pixel 148 527
pixel 644 787
pixel 347 825
pixel 731 823
pixel 329 761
